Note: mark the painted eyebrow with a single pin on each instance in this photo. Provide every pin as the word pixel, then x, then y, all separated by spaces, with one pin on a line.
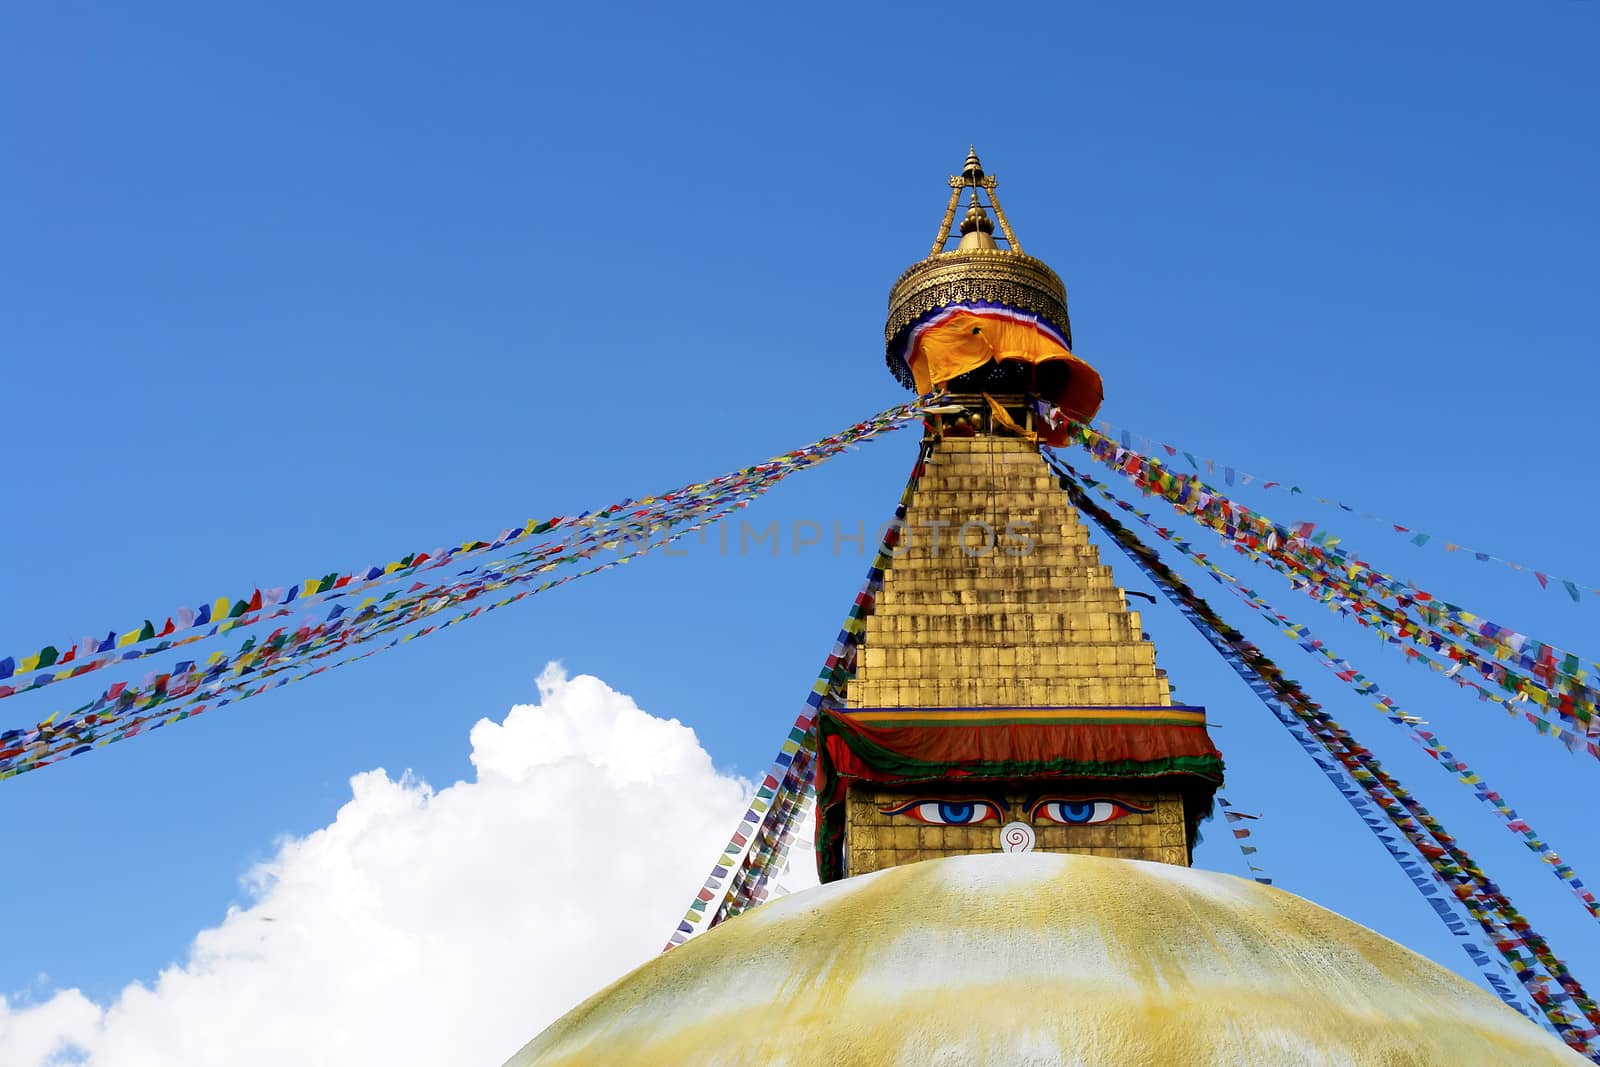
pixel 1083 798
pixel 897 809
pixel 1075 797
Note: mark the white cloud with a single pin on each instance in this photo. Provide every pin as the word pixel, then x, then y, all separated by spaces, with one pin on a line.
pixel 429 927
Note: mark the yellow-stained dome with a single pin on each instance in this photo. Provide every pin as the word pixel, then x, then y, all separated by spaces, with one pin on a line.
pixel 1042 958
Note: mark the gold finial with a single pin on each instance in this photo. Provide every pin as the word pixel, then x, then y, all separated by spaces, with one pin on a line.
pixel 977 218
pixel 972 177
pixel 972 170
pixel 977 229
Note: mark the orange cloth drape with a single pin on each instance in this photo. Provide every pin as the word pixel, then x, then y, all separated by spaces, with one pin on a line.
pixel 963 341
pixel 967 340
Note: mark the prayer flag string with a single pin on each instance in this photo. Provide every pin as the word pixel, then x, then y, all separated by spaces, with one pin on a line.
pixel 1530 678
pixel 190 624
pixel 1240 835
pixel 1447 862
pixel 1236 476
pixel 1153 476
pixel 131 711
pixel 1388 706
pixel 748 887
pixel 125 710
pixel 761 841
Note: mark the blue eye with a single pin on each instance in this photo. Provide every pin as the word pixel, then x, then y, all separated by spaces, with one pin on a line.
pixel 1084 812
pixel 948 812
pixel 956 814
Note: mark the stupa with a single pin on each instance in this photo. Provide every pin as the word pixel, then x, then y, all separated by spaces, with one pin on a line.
pixel 1009 799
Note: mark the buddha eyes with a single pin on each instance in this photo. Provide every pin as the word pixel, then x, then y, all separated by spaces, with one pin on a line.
pixel 948 812
pixel 1073 811
pixel 1082 812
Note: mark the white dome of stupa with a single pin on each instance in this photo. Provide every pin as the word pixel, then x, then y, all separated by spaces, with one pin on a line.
pixel 1042 959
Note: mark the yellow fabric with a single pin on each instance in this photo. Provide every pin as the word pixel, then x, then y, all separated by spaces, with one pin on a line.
pixel 1004 419
pixel 964 342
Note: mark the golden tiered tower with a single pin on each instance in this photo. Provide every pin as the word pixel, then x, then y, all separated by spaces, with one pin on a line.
pixel 1005 696
pixel 1046 628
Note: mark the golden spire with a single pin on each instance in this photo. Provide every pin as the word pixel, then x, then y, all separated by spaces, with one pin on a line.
pixel 972 177
pixel 978 268
pixel 972 170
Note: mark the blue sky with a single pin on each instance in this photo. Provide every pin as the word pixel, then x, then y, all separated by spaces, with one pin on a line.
pixel 293 289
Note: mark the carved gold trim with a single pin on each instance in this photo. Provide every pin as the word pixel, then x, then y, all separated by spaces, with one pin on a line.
pixel 977 274
pixel 949 217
